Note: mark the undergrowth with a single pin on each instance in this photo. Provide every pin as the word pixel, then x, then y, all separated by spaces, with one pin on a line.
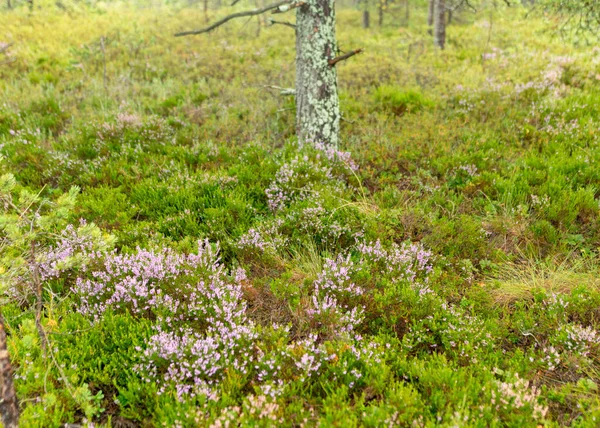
pixel 440 269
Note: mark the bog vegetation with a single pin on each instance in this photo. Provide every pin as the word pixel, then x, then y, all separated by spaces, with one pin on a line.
pixel 169 256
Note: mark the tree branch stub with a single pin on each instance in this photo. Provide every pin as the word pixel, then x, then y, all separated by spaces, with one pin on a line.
pixel 332 62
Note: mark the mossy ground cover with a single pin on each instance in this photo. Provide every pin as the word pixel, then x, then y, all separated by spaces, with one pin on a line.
pixel 440 269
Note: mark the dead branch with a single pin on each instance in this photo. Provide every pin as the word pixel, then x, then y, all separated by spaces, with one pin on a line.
pixel 344 57
pixel 282 91
pixel 228 18
pixel 9 407
pixel 287 24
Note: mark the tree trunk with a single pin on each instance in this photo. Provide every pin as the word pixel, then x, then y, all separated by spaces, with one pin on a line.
pixel 365 19
pixel 317 103
pixel 8 4
pixel 406 10
pixel 439 23
pixel 9 407
pixel 206 10
pixel 430 16
pixel 449 21
pixel 381 7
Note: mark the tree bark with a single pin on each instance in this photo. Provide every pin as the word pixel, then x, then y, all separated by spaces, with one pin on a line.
pixel 381 7
pixel 9 407
pixel 8 4
pixel 439 24
pixel 366 19
pixel 430 15
pixel 317 103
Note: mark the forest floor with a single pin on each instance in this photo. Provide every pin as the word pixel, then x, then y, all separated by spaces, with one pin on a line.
pixel 440 269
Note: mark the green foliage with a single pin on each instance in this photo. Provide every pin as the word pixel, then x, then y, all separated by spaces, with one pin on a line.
pixel 398 101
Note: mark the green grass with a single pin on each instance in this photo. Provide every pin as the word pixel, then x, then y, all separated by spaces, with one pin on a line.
pixel 490 162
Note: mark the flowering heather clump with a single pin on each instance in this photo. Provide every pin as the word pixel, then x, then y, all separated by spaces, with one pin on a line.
pixel 332 298
pixel 264 239
pixel 146 282
pixel 345 362
pixel 193 362
pixel 470 169
pixel 335 155
pixel 336 278
pixel 316 221
pixel 408 262
pixel 551 358
pixel 201 329
pixel 518 395
pixel 75 247
pixel 297 180
pixel 453 330
pixel 580 339
pixel 293 182
pixel 571 340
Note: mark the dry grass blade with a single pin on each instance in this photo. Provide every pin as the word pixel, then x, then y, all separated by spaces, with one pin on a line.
pixel 519 281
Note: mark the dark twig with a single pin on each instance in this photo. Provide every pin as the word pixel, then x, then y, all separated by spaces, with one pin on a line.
pixel 237 15
pixel 287 24
pixel 344 57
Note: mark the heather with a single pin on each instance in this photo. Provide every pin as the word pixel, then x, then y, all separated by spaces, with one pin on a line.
pixel 170 256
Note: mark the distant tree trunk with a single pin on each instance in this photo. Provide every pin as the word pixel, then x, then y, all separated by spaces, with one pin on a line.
pixel 439 24
pixel 260 19
pixel 430 16
pixel 406 10
pixel 8 4
pixel 206 10
pixel 365 19
pixel 449 21
pixel 381 8
pixel 9 407
pixel 317 103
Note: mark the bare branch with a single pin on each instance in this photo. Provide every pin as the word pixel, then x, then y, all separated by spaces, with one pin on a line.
pixel 228 18
pixel 337 59
pixel 234 2
pixel 287 24
pixel 282 91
